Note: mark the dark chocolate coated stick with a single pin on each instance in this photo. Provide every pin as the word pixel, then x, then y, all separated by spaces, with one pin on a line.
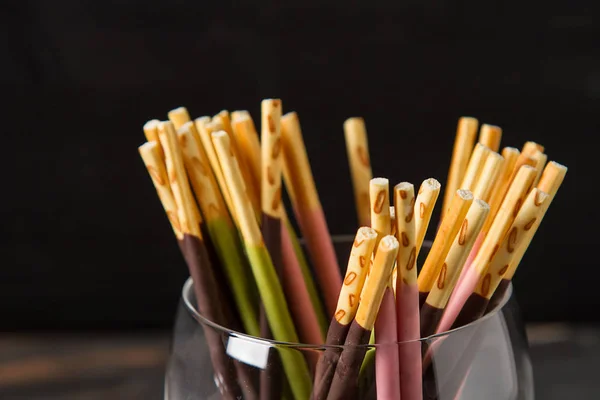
pixel 356 272
pixel 344 382
pixel 178 203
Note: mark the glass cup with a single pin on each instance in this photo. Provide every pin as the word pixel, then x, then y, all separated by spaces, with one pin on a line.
pixel 485 360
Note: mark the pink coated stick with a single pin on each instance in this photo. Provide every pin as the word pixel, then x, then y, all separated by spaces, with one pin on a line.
pixel 458 299
pixel 314 229
pixel 470 259
pixel 297 294
pixel 409 331
pixel 386 357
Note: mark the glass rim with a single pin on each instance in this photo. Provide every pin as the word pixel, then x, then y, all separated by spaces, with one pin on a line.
pixel 187 291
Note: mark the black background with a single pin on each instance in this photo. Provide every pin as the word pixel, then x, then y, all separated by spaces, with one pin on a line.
pixel 85 243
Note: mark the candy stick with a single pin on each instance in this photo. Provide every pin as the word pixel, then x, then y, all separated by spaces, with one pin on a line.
pixel 550 182
pixel 270 379
pixel 293 255
pixel 426 199
pixel 407 295
pixel 253 187
pixel 348 367
pixel 436 302
pixel 476 163
pixel 510 155
pixel 195 253
pixel 151 133
pixel 219 226
pixel 517 236
pixel 179 116
pixel 442 242
pixel 386 356
pixel 488 176
pixel 540 162
pixel 512 163
pixel 490 136
pixel 357 149
pixel 379 206
pixel 507 213
pixel 269 287
pixel 309 212
pixel 150 153
pixel 379 195
pixel 246 137
pixel 463 146
pixel 205 129
pixel 356 272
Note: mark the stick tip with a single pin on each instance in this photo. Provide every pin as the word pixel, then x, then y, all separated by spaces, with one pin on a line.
pixel 465 194
pixel 152 124
pixel 147 147
pixel 365 232
pixel 481 204
pixel 404 186
pixel 219 134
pixel 380 182
pixel 388 242
pixel 432 184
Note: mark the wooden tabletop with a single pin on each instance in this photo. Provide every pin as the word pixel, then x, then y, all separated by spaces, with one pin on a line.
pixel 130 366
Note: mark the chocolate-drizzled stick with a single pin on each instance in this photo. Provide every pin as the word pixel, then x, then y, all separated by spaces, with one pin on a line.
pixel 246 137
pixel 270 197
pixel 463 146
pixel 357 149
pixel 407 295
pixel 426 199
pixel 490 136
pixel 517 236
pixel 219 226
pixel 442 242
pixel 436 302
pixel 296 287
pixel 379 195
pixel 525 158
pixel 488 176
pixel 386 356
pixel 308 209
pixel 356 272
pixel 510 155
pixel 476 163
pixel 379 206
pixel 253 188
pixel 196 256
pixel 507 213
pixel 487 179
pixel 150 153
pixel 269 286
pixel 346 373
pixel 550 182
pixel 205 128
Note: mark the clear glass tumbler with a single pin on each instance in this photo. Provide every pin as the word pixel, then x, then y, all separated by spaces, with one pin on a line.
pixel 485 360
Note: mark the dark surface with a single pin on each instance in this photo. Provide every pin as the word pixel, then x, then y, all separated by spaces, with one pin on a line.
pixel 565 359
pixel 85 242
